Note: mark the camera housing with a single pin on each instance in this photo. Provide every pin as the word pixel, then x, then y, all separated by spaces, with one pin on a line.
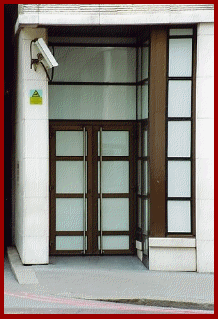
pixel 45 54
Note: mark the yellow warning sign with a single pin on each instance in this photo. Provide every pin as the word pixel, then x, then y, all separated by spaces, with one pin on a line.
pixel 35 96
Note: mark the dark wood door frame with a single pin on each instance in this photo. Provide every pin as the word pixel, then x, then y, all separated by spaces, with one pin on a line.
pixel 92 128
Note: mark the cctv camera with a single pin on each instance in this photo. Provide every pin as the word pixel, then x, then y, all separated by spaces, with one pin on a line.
pixel 45 54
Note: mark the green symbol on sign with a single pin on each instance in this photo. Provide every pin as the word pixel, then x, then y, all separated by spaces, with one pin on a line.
pixel 35 96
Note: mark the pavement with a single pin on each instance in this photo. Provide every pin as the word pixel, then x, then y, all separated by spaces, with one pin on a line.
pixel 121 279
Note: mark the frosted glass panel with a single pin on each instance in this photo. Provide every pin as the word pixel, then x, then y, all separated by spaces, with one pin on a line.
pixel 92 102
pixel 114 143
pixel 179 178
pixel 69 143
pixel 69 243
pixel 95 64
pixel 179 216
pixel 139 102
pixel 139 178
pixel 145 168
pixel 181 31
pixel 145 101
pixel 69 177
pixel 115 177
pixel 115 214
pixel 145 246
pixel 179 99
pixel 145 143
pixel 139 213
pixel 180 57
pixel 69 214
pixel 114 242
pixel 146 217
pixel 179 139
pixel 145 62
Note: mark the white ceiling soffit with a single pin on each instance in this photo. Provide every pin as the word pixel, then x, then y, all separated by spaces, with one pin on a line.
pixel 112 14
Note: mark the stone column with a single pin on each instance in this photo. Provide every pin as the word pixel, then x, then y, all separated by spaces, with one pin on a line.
pixel 205 148
pixel 31 156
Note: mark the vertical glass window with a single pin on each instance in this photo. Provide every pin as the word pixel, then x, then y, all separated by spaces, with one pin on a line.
pixel 179 98
pixel 139 213
pixel 139 102
pixel 142 116
pixel 145 143
pixel 145 177
pixel 181 32
pixel 180 57
pixel 92 102
pixel 145 62
pixel 179 132
pixel 179 178
pixel 145 100
pixel 95 64
pixel 139 69
pixel 179 216
pixel 179 138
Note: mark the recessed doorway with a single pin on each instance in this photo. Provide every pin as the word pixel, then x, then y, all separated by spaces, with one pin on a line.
pixel 92 187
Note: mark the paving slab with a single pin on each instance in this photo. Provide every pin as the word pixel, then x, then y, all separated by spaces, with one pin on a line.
pixel 122 279
pixel 23 274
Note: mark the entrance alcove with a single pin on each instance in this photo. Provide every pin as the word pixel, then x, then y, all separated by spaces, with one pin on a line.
pixel 98 115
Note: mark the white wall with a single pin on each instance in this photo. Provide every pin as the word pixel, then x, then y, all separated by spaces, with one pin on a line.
pixel 32 155
pixel 205 148
pixel 112 14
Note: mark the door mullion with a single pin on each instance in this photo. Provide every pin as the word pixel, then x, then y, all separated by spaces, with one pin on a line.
pixel 84 191
pixel 89 189
pixel 94 211
pixel 132 188
pixel 52 192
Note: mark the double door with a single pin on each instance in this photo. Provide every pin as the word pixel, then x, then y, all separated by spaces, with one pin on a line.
pixel 92 187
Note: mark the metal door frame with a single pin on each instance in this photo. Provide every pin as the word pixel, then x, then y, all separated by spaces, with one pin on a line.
pixel 92 158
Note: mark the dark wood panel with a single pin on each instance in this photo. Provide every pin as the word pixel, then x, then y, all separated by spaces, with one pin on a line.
pixel 69 233
pixel 157 124
pixel 69 158
pixel 114 232
pixel 114 158
pixel 115 195
pixel 94 209
pixel 118 252
pixel 69 195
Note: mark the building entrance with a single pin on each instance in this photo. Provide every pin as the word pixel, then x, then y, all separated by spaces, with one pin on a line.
pixel 92 187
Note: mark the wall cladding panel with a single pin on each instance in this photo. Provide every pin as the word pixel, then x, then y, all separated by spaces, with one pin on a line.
pixel 110 8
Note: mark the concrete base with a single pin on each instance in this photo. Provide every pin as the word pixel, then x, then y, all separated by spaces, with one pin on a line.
pixel 172 259
pixel 23 274
pixel 172 254
pixel 139 254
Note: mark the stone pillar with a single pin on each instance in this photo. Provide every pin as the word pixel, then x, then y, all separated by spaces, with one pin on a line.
pixel 205 148
pixel 31 156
